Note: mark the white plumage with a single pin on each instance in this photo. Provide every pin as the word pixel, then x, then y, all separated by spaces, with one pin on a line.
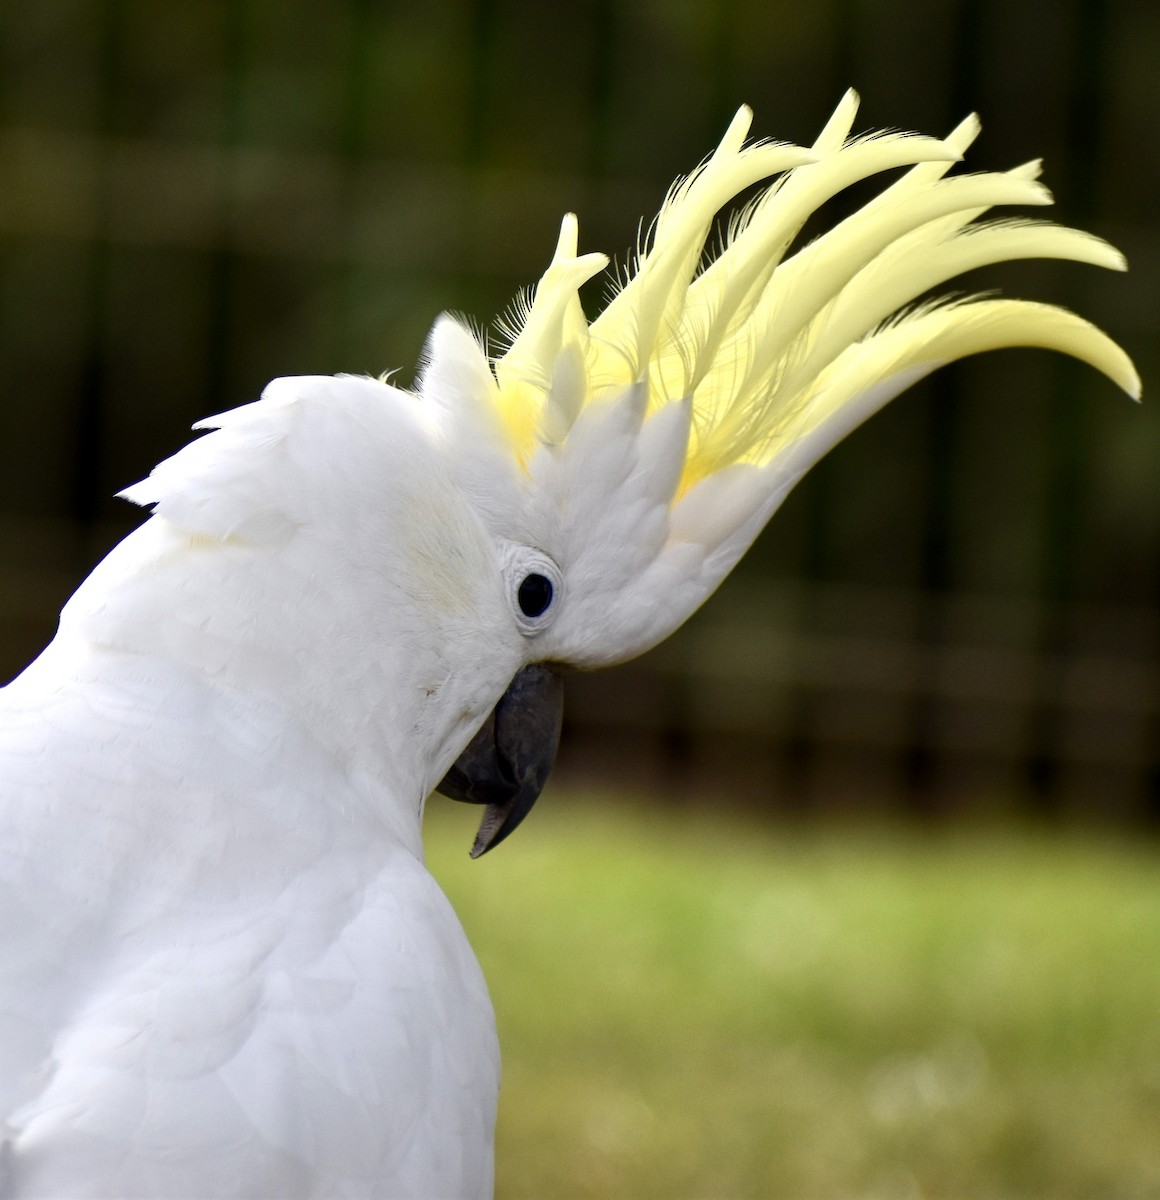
pixel 226 971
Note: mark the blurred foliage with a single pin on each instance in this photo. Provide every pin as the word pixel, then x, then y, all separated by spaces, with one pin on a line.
pixel 204 194
pixel 690 1006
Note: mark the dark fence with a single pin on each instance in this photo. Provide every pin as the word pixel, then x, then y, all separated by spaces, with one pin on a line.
pixel 955 611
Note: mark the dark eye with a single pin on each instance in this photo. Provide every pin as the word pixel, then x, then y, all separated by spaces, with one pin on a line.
pixel 534 595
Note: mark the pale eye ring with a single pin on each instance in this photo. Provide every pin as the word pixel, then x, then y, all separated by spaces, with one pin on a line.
pixel 533 588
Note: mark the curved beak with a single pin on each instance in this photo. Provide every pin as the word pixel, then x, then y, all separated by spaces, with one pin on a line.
pixel 507 763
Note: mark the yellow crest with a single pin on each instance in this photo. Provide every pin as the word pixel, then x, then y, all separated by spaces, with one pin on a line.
pixel 769 346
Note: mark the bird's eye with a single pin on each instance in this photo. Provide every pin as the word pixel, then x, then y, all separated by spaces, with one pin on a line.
pixel 535 595
pixel 533 586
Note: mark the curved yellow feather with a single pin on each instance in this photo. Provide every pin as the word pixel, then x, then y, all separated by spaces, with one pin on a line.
pixel 771 348
pixel 948 332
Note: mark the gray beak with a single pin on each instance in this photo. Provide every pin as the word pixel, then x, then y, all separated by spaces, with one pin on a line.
pixel 507 763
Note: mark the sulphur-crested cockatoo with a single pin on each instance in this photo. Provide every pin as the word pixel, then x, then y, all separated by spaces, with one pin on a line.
pixel 226 971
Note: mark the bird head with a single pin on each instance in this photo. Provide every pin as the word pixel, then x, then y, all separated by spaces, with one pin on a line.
pixel 578 495
pixel 629 462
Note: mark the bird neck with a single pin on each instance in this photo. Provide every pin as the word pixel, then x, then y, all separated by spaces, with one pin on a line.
pixel 249 623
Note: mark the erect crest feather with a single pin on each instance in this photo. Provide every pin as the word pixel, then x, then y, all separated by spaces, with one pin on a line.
pixel 771 348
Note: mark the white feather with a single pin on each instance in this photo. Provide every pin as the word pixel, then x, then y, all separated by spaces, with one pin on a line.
pixel 226 970
pixel 229 976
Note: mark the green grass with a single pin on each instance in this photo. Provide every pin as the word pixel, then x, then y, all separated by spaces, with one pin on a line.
pixel 691 1007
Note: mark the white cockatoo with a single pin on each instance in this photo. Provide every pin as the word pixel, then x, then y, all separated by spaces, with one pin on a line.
pixel 226 970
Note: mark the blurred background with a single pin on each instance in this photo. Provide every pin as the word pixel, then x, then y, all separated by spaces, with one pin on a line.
pixel 951 625
pixel 956 609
